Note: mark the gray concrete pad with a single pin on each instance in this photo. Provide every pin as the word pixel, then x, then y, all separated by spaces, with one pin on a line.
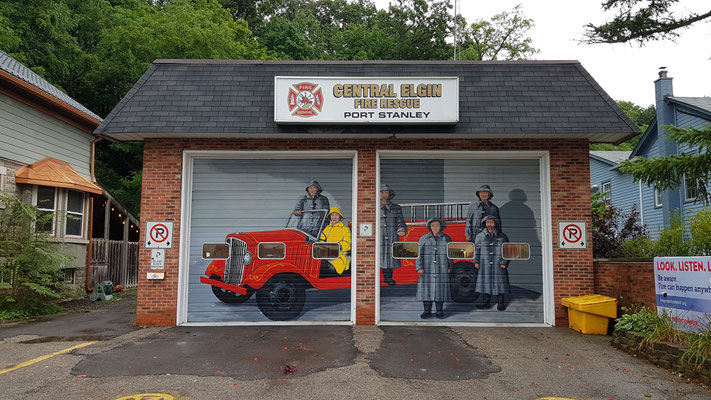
pixel 429 353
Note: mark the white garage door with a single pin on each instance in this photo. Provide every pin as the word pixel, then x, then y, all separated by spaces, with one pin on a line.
pixel 451 273
pixel 262 247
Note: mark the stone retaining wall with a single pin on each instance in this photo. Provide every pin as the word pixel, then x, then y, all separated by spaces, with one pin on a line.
pixel 665 355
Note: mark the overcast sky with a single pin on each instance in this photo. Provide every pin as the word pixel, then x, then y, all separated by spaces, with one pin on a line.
pixel 625 71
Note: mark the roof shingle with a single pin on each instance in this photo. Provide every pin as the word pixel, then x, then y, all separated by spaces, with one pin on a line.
pixel 532 98
pixel 17 69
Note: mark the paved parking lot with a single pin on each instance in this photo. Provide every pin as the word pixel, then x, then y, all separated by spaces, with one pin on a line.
pixel 321 362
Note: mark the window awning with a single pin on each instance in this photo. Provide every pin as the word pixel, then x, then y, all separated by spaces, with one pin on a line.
pixel 55 173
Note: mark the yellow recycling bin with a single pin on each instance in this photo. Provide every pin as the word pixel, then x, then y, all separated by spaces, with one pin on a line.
pixel 590 314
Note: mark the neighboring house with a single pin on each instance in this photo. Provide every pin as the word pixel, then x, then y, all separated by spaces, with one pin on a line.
pixel 656 207
pixel 46 157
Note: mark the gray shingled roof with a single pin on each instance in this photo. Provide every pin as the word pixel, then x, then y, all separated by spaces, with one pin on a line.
pixel 703 103
pixel 15 68
pixel 613 156
pixel 203 98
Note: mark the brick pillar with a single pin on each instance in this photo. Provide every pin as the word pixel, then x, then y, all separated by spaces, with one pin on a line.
pixel 365 270
pixel 160 201
pixel 570 201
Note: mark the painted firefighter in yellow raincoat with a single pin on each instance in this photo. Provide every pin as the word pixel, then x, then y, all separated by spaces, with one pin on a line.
pixel 337 232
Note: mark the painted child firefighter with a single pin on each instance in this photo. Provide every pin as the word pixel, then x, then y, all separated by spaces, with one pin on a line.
pixel 337 232
pixel 392 228
pixel 433 267
pixel 493 276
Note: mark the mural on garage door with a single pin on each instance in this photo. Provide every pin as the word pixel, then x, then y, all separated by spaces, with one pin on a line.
pixel 270 240
pixel 460 240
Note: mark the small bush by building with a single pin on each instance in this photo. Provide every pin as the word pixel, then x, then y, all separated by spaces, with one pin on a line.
pixel 31 274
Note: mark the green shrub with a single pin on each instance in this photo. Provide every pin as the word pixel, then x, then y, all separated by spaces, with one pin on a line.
pixel 641 321
pixel 654 327
pixel 30 267
pixel 700 229
pixel 639 247
pixel 671 240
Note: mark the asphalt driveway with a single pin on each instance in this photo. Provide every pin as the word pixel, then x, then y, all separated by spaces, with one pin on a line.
pixel 392 362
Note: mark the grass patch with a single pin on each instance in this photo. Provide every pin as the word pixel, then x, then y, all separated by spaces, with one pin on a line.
pixel 13 312
pixel 699 347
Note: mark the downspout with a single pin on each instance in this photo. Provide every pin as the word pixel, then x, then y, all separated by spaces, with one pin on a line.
pixel 641 204
pixel 87 281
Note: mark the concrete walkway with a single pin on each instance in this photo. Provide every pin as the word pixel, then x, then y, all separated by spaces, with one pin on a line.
pixel 325 362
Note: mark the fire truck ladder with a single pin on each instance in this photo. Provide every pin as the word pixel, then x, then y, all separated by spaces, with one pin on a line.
pixel 420 213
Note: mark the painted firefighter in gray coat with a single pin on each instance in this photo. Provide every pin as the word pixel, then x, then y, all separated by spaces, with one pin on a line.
pixel 477 211
pixel 433 267
pixel 311 223
pixel 493 277
pixel 392 228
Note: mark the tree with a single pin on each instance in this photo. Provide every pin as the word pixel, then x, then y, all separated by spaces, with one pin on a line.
pixel 641 21
pixel 639 115
pixel 138 36
pixel 118 168
pixel 504 38
pixel 669 172
pixel 417 29
pixel 608 236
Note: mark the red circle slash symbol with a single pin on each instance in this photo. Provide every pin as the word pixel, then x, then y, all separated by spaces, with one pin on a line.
pixel 159 233
pixel 572 233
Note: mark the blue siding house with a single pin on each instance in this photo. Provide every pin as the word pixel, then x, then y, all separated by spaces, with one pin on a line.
pixel 655 207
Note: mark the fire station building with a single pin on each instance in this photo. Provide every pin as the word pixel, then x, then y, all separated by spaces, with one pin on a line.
pixel 374 192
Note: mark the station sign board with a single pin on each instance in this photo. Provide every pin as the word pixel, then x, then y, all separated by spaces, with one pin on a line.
pixel 366 101
pixel 683 289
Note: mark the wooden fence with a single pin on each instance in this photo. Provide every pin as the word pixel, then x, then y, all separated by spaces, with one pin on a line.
pixel 115 261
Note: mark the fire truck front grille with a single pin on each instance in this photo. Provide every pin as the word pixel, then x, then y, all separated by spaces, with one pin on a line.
pixel 234 266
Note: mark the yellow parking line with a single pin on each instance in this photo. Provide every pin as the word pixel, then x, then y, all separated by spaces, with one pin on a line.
pixel 46 356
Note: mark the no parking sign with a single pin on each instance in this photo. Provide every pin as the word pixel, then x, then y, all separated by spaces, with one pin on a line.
pixel 159 235
pixel 571 235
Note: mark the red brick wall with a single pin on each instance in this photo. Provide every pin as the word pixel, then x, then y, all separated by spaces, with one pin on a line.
pixel 632 283
pixel 162 168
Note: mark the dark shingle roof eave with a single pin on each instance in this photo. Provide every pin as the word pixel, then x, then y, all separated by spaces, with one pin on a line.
pixel 236 96
pixel 701 105
pixel 101 129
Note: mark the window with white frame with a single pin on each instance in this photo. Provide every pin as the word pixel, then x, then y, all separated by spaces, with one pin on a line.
pixel 690 189
pixel 46 203
pixel 74 224
pixel 658 198
pixel 606 192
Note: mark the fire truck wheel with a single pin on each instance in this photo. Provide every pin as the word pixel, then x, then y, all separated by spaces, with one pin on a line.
pixel 226 296
pixel 462 283
pixel 282 298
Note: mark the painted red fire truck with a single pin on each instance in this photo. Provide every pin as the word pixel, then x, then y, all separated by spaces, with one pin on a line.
pixel 280 265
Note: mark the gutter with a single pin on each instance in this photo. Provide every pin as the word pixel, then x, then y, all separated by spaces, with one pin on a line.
pixel 87 280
